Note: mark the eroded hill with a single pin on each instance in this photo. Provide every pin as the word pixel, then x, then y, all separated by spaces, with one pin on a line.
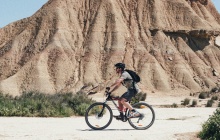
pixel 67 44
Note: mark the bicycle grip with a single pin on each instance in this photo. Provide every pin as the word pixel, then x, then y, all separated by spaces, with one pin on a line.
pixel 107 88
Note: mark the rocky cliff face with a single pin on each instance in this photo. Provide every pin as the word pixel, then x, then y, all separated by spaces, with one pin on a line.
pixel 70 43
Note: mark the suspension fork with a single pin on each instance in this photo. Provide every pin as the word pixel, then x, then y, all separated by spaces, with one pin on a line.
pixel 103 107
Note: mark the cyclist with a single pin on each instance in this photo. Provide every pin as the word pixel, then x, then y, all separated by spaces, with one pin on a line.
pixel 132 89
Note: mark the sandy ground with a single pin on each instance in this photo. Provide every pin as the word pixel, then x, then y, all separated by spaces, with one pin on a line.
pixel 170 124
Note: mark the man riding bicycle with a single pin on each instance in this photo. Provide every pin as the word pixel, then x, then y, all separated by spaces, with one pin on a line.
pixel 132 89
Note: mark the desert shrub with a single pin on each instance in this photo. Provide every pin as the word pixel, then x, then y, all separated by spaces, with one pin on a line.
pixel 209 103
pixel 214 98
pixel 210 129
pixel 174 105
pixel 35 104
pixel 204 95
pixel 81 109
pixel 194 103
pixel 186 101
pixel 80 102
pixel 219 104
pixel 139 97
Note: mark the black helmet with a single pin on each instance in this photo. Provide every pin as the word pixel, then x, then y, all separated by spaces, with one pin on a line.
pixel 120 65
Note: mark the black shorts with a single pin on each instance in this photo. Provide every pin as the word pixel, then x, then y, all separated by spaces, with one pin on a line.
pixel 129 94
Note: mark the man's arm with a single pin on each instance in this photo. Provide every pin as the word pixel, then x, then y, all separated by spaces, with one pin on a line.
pixel 116 85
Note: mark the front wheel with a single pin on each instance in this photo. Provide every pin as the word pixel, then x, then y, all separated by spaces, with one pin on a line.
pixel 146 118
pixel 98 116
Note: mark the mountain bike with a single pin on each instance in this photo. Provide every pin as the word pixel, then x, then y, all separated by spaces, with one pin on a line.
pixel 99 115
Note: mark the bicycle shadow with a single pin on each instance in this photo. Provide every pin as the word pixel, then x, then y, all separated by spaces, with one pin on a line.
pixel 107 130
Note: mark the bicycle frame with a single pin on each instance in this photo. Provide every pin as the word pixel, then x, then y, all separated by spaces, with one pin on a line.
pixel 109 98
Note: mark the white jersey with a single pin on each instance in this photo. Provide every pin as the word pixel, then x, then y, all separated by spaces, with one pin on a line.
pixel 128 82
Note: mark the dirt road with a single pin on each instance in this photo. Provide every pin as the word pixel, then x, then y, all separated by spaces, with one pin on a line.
pixel 169 121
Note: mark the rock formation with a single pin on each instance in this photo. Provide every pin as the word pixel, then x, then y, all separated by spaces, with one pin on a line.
pixel 172 44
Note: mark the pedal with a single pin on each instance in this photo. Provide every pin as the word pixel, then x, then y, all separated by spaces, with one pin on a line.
pixel 117 117
pixel 120 119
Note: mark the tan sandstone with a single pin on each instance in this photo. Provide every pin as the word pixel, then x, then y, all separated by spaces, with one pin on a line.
pixel 68 44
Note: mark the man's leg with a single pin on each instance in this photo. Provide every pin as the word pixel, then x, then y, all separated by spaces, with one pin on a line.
pixel 133 113
pixel 120 105
pixel 127 97
pixel 126 104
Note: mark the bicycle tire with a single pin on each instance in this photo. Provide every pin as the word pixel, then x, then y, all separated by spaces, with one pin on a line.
pixel 147 116
pixel 98 118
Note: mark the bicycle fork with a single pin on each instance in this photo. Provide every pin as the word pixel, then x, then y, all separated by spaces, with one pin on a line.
pixel 103 107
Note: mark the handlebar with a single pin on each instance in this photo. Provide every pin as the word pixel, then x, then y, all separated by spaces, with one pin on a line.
pixel 107 88
pixel 108 95
pixel 107 91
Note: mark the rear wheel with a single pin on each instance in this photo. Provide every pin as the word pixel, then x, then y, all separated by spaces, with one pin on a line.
pixel 146 118
pixel 98 116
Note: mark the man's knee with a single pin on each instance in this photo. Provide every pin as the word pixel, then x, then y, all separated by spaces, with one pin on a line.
pixel 123 100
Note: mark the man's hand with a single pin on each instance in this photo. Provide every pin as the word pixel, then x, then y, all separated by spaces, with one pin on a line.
pixel 107 88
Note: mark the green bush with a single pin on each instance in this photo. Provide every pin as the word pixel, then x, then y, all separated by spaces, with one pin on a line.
pixel 214 98
pixel 194 103
pixel 186 101
pixel 81 109
pixel 211 128
pixel 204 95
pixel 80 102
pixel 209 103
pixel 174 105
pixel 139 97
pixel 35 104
